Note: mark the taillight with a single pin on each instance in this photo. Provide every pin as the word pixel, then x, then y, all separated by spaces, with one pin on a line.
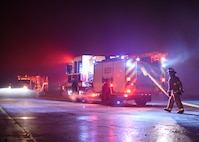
pixel 94 95
pixel 128 91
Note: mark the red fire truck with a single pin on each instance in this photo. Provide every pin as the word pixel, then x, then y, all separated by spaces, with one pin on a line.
pixel 37 83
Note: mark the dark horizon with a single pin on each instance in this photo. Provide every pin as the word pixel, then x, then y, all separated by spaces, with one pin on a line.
pixel 40 37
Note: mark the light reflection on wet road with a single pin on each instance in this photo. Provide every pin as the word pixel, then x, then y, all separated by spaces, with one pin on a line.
pixel 53 121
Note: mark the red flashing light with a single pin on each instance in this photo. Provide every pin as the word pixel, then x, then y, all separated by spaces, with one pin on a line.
pixel 94 95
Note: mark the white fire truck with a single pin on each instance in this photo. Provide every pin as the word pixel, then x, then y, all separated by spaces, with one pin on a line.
pixel 134 77
pixel 119 78
pixel 80 73
pixel 37 83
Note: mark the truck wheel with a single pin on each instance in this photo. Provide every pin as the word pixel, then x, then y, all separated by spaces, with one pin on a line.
pixel 102 99
pixel 105 98
pixel 140 102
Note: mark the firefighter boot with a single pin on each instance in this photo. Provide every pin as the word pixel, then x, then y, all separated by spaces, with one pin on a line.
pixel 181 111
pixel 168 109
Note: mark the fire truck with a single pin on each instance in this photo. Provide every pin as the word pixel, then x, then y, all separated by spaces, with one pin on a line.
pixel 130 77
pixel 80 74
pixel 37 83
pixel 115 79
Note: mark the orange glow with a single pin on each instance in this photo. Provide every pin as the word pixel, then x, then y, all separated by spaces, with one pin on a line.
pixel 40 56
pixel 128 91
pixel 58 57
pixel 25 87
pixel 94 95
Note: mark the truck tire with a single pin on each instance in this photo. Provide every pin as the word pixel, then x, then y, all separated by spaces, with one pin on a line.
pixel 105 98
pixel 140 101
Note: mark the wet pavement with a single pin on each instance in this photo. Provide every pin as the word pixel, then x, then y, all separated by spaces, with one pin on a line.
pixel 52 118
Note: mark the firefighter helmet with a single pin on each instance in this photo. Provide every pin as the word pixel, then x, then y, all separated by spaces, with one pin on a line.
pixel 171 70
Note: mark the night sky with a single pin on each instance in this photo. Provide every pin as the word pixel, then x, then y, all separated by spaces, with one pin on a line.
pixel 40 37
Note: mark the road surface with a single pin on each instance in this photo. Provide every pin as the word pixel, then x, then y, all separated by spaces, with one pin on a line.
pixel 35 119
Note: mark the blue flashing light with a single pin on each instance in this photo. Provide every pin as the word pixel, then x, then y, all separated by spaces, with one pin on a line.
pixel 122 57
pixel 83 100
pixel 164 65
pixel 129 63
pixel 118 102
pixel 163 62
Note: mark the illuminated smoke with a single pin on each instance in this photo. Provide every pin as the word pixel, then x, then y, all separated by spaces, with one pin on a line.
pixel 181 55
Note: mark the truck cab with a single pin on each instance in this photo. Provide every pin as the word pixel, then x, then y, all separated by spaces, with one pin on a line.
pixel 80 72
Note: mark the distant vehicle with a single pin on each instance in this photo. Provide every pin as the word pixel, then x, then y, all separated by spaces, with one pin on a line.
pixel 37 83
pixel 114 79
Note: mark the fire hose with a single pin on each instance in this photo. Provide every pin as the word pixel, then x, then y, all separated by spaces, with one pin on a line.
pixel 144 71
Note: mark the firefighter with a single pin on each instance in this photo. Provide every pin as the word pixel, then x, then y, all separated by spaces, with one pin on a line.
pixel 75 85
pixel 175 90
pixel 105 96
